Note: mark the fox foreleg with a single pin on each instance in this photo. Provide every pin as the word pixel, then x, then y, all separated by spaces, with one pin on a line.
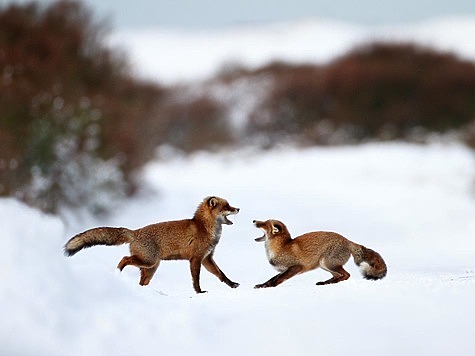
pixel 209 263
pixel 195 268
pixel 281 277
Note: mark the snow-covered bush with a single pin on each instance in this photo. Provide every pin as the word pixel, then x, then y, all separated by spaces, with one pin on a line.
pixel 76 179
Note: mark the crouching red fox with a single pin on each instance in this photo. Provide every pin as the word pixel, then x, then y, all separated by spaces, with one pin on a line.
pixel 327 250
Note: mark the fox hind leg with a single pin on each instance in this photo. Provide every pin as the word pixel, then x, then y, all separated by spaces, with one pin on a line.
pixel 339 275
pixel 146 274
pixel 136 261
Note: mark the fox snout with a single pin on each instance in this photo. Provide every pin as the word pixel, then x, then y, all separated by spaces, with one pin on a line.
pixel 221 209
pixel 232 210
pixel 272 228
pixel 229 210
pixel 260 225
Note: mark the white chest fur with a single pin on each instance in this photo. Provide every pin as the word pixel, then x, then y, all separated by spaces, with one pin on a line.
pixel 274 258
pixel 218 229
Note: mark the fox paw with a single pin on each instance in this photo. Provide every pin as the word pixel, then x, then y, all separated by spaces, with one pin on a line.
pixel 262 285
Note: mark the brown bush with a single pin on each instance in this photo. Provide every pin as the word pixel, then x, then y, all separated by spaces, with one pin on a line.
pixel 295 105
pixel 195 124
pixel 66 98
pixel 399 87
pixel 377 91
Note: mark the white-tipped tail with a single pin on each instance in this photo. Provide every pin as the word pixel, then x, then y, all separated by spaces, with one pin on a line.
pixel 371 263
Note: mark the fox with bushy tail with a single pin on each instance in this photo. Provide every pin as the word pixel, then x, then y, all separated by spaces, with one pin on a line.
pixel 192 239
pixel 327 250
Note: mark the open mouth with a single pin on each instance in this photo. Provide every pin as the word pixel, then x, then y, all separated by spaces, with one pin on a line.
pixel 225 217
pixel 260 239
pixel 259 225
pixel 226 220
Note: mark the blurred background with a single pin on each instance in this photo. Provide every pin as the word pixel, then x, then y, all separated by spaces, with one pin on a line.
pixel 212 13
pixel 89 91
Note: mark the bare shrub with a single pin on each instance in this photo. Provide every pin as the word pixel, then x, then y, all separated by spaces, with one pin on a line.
pixel 377 91
pixel 193 125
pixel 68 108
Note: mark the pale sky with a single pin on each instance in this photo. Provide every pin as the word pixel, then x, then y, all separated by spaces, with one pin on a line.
pixel 216 13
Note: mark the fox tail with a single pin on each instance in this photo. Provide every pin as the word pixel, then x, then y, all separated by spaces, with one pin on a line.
pixel 98 236
pixel 370 262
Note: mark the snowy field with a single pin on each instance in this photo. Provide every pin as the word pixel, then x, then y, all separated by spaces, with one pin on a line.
pixel 413 204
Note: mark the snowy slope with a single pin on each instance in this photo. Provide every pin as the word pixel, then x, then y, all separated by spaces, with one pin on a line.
pixel 174 55
pixel 413 204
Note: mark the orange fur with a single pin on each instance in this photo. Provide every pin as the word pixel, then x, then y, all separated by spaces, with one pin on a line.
pixel 191 239
pixel 327 250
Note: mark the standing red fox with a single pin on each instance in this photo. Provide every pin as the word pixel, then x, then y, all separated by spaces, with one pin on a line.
pixel 327 250
pixel 190 239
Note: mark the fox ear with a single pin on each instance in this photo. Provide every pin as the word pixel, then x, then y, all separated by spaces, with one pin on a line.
pixel 276 228
pixel 212 202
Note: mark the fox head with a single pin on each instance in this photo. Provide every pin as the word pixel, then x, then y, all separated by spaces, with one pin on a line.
pixel 219 208
pixel 272 229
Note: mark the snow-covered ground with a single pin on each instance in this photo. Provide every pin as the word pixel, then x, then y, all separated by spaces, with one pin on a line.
pixel 413 204
pixel 174 55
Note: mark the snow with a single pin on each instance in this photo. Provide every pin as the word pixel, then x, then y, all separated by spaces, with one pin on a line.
pixel 413 204
pixel 171 55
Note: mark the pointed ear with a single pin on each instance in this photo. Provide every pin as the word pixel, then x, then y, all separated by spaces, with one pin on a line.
pixel 212 202
pixel 276 228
